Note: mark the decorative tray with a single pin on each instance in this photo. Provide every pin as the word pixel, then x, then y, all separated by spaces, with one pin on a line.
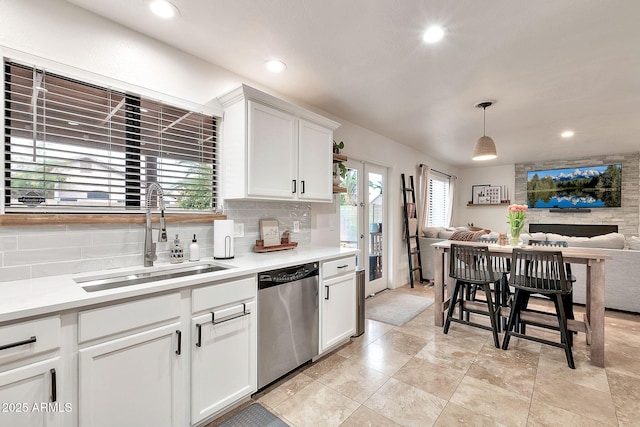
pixel 284 245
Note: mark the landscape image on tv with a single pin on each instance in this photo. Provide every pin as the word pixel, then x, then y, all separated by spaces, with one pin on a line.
pixel 583 187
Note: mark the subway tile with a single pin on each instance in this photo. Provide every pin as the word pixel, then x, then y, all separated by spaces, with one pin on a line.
pixel 8 274
pixel 8 243
pixel 119 236
pixel 40 256
pixel 53 241
pixel 69 267
pixel 106 251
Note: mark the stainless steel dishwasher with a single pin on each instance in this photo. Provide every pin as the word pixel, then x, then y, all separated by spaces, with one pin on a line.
pixel 287 320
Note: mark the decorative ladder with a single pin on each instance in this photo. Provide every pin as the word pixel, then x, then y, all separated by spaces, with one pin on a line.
pixel 407 233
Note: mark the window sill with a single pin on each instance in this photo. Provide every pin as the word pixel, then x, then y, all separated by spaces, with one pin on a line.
pixel 98 218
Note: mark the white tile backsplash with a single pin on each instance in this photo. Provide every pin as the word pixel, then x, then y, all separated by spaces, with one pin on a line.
pixel 40 251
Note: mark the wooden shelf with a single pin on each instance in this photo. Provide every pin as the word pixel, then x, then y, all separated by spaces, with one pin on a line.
pixel 101 218
pixel 337 189
pixel 339 158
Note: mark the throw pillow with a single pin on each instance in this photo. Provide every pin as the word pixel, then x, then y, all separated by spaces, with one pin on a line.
pixel 634 243
pixel 467 236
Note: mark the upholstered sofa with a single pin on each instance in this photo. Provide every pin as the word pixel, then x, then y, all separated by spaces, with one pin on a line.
pixel 622 289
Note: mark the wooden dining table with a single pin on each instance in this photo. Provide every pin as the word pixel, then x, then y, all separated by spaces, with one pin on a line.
pixel 592 323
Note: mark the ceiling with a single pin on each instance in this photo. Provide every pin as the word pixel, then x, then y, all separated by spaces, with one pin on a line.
pixel 549 65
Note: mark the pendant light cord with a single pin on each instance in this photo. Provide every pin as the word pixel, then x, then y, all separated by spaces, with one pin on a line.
pixel 484 121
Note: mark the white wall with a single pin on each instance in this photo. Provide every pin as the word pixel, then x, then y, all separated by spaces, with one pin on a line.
pixel 78 42
pixel 491 217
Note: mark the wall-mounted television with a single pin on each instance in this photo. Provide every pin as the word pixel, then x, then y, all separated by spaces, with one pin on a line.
pixel 581 187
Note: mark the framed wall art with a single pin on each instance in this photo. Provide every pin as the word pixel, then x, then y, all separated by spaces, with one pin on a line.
pixel 269 232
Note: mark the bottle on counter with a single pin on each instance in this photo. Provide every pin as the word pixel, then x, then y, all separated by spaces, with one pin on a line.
pixel 177 252
pixel 194 250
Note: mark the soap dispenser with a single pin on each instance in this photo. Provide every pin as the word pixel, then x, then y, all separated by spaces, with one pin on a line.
pixel 177 252
pixel 194 250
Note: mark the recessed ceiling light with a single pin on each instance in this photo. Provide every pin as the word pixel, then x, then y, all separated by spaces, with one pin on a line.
pixel 433 34
pixel 72 123
pixel 567 134
pixel 275 66
pixel 163 8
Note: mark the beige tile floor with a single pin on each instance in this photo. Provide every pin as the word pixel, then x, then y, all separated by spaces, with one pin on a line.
pixel 414 375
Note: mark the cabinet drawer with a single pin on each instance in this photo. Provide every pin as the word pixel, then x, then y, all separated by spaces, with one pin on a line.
pixel 339 266
pixel 113 319
pixel 26 339
pixel 223 293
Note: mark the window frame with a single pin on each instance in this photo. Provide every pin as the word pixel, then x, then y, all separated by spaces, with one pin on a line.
pixel 101 215
pixel 445 200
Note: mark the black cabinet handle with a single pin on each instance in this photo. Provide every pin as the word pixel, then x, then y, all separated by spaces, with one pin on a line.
pixel 179 350
pixel 19 343
pixel 343 266
pixel 302 184
pixel 54 387
pixel 294 186
pixel 199 334
pixel 327 296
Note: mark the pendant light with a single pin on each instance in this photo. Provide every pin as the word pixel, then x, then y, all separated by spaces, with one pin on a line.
pixel 485 148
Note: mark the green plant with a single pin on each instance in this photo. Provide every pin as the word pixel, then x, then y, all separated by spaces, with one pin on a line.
pixel 340 170
pixel 337 146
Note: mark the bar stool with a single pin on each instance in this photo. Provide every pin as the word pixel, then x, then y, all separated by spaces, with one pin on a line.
pixel 568 301
pixel 501 266
pixel 539 272
pixel 471 267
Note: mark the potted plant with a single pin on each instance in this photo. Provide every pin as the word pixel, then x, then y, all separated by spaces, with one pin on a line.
pixel 337 146
pixel 339 173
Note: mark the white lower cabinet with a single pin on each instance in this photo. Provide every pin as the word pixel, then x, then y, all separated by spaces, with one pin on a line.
pixel 29 395
pixel 136 378
pixel 338 293
pixel 223 351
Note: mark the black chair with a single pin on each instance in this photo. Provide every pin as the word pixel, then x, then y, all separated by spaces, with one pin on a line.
pixel 568 306
pixel 539 272
pixel 471 267
pixel 501 266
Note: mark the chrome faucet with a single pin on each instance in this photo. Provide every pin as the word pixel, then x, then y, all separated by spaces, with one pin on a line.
pixel 149 246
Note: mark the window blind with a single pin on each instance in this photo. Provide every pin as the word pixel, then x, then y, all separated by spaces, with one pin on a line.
pixel 75 146
pixel 438 202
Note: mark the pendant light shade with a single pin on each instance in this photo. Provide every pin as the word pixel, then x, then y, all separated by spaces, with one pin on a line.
pixel 485 148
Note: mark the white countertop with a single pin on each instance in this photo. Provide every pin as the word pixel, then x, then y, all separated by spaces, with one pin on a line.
pixel 35 297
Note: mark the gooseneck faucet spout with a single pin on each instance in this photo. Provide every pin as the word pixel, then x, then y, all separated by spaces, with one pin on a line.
pixel 149 246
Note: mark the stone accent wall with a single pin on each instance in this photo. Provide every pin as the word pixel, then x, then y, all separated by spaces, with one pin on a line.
pixel 627 217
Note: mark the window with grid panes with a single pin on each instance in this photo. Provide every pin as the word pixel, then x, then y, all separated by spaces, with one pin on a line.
pixel 72 146
pixel 438 201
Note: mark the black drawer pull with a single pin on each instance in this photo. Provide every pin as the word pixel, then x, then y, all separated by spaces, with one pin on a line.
pixel 199 334
pixel 343 266
pixel 54 387
pixel 179 350
pixel 226 319
pixel 19 343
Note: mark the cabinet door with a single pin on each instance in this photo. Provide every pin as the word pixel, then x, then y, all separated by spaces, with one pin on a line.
pixel 338 310
pixel 272 153
pixel 29 395
pixel 133 381
pixel 315 159
pixel 223 359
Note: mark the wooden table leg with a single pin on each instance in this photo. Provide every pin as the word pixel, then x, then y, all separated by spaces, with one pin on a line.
pixel 595 305
pixel 438 270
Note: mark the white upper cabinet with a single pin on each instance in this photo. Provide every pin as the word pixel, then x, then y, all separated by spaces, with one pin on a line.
pixel 274 150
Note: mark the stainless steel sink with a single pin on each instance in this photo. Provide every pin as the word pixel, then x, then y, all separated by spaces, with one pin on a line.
pixel 93 284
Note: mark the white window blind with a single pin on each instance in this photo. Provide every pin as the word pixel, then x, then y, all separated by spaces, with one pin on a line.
pixel 74 146
pixel 438 201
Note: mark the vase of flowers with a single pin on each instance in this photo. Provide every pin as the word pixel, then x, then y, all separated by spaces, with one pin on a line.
pixel 516 222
